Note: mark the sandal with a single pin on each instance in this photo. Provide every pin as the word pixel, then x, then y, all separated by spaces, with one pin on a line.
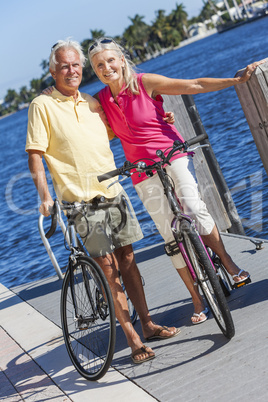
pixel 242 282
pixel 140 351
pixel 157 334
pixel 205 312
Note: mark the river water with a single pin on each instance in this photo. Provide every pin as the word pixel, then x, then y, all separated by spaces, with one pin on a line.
pixel 23 257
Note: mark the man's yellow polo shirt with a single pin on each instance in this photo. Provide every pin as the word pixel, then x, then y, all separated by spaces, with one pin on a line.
pixel 75 143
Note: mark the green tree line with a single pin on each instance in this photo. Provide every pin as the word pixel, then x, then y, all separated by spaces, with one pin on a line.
pixel 140 39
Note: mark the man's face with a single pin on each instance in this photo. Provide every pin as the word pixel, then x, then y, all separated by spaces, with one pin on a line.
pixel 68 73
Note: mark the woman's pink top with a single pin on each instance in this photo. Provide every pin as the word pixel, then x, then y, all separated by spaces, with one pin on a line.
pixel 138 121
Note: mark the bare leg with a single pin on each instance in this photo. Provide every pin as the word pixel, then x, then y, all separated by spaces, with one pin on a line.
pixel 214 241
pixel 132 281
pixel 109 266
pixel 194 292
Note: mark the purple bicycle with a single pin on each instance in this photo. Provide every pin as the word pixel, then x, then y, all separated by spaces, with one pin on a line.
pixel 211 278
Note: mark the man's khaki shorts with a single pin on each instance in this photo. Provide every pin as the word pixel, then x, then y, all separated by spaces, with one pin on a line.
pixel 97 231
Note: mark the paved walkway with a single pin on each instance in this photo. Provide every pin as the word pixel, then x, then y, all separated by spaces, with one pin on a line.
pixel 198 365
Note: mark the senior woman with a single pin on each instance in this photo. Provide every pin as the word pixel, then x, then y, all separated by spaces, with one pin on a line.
pixel 134 108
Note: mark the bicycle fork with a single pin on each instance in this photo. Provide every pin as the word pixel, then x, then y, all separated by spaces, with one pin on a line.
pixel 81 320
pixel 180 245
pixel 179 242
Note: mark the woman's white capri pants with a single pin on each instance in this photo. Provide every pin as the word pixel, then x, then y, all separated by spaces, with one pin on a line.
pixel 151 194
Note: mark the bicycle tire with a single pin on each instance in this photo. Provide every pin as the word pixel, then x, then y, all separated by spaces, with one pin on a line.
pixel 207 279
pixel 90 336
pixel 223 278
pixel 221 272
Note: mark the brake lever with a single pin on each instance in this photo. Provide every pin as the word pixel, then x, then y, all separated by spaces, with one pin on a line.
pixel 118 181
pixel 198 146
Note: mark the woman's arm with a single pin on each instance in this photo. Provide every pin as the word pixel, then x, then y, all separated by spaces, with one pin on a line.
pixel 161 85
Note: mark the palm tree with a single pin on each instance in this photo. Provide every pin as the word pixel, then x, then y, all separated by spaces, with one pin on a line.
pixel 36 85
pixel 24 94
pixel 163 32
pixel 210 8
pixel 173 37
pixel 159 27
pixel 11 97
pixel 206 11
pixel 178 17
pixel 12 100
pixel 97 33
pixel 136 37
pixel 45 66
pixel 178 20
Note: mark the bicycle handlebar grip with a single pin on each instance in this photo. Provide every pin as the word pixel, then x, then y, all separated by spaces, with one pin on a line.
pixel 122 208
pixel 196 139
pixel 53 226
pixel 108 175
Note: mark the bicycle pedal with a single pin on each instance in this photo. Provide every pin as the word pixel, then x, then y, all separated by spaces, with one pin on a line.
pixel 171 248
pixel 82 328
pixel 240 284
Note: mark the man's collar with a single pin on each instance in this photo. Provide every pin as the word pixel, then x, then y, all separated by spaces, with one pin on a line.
pixel 60 97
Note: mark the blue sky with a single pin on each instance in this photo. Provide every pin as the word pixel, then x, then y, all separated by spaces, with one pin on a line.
pixel 28 29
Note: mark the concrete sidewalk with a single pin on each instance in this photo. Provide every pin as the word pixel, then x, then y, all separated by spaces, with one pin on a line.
pixel 198 365
pixel 35 365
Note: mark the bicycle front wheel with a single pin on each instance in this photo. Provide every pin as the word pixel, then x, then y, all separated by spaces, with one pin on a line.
pixel 207 279
pixel 221 272
pixel 88 318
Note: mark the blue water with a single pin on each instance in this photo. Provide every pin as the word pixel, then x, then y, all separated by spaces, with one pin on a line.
pixel 23 257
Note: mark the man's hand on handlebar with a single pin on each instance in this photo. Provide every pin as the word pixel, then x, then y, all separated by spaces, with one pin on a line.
pixel 46 207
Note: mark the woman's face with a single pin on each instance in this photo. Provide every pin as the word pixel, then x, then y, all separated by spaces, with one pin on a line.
pixel 108 67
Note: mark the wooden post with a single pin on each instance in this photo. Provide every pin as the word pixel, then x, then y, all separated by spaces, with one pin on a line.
pixel 213 188
pixel 253 96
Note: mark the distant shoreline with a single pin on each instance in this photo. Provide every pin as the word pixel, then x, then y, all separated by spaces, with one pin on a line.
pixel 8 114
pixel 183 43
pixel 196 38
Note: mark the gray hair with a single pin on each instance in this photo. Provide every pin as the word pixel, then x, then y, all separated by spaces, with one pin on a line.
pixel 65 44
pixel 129 71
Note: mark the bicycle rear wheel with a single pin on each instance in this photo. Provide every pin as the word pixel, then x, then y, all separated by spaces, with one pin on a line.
pixel 88 318
pixel 207 279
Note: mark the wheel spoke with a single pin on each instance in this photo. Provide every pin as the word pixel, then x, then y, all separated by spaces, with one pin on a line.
pixel 89 329
pixel 208 280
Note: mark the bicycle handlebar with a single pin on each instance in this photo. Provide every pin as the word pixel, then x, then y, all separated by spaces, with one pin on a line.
pixel 109 175
pixel 196 139
pixel 53 226
pixel 97 203
pixel 141 166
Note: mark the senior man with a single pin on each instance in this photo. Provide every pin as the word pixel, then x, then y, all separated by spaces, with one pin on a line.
pixel 67 129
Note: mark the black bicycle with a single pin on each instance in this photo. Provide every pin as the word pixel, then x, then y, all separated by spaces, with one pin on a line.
pixel 210 277
pixel 87 309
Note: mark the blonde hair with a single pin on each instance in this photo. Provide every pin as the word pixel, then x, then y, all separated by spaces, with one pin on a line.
pixel 129 71
pixel 65 44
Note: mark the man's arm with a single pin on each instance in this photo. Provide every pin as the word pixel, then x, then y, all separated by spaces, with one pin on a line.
pixel 37 170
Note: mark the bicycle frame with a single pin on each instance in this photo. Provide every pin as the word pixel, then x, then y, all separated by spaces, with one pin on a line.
pixel 178 217
pixel 47 243
pixel 72 241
